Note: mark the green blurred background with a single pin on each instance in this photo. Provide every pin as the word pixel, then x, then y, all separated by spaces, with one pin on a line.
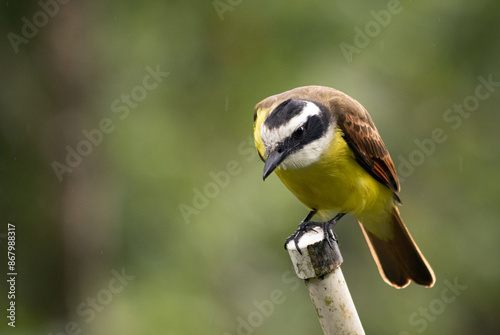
pixel 122 242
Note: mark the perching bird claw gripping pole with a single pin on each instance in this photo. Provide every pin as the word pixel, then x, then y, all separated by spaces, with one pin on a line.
pixel 319 266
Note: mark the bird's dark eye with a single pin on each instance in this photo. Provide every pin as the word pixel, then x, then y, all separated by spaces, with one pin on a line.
pixel 297 134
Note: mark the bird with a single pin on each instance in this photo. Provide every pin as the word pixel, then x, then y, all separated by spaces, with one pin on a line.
pixel 323 145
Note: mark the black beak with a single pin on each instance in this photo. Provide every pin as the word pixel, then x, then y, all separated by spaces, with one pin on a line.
pixel 273 160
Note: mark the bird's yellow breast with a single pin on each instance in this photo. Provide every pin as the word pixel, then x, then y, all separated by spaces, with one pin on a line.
pixel 337 182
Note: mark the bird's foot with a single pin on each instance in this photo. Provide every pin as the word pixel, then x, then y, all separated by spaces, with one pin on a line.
pixel 307 226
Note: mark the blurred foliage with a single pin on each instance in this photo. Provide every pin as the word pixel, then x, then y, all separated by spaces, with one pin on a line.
pixel 206 272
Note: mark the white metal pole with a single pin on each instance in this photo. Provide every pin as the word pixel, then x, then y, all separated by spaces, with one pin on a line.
pixel 319 266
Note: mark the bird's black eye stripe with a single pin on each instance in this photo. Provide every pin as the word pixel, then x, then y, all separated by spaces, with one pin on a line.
pixel 315 128
pixel 297 134
pixel 311 130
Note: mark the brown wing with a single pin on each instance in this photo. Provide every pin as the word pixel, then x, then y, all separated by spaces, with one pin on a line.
pixel 362 137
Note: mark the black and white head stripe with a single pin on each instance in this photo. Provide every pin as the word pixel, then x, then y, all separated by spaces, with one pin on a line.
pixel 295 125
pixel 285 111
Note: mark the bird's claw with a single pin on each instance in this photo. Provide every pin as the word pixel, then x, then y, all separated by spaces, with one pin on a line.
pixel 306 226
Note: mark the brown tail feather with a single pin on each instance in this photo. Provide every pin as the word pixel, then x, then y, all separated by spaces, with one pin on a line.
pixel 399 260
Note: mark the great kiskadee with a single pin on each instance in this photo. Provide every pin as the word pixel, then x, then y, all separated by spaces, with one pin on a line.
pixel 324 147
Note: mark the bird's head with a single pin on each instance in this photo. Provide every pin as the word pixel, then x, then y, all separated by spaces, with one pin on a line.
pixel 295 135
